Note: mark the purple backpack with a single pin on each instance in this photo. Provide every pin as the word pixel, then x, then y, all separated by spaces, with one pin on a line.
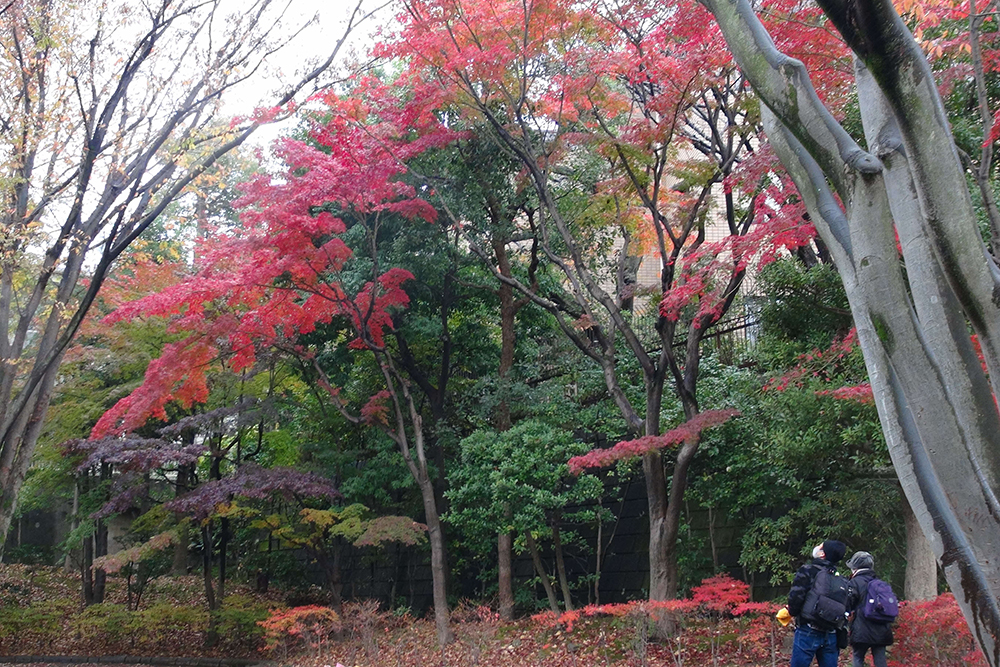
pixel 881 605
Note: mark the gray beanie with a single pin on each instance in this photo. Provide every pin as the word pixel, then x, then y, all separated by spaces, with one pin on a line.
pixel 861 560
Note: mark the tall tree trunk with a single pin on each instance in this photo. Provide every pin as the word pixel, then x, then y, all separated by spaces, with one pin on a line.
pixel 223 548
pixel 212 636
pixel 216 474
pixel 921 566
pixel 185 481
pixel 536 560
pixel 505 547
pixel 662 581
pixel 599 553
pixel 662 560
pixel 561 565
pixel 179 565
pixel 407 431
pixel 435 536
pixel 100 549
pixel 95 546
pixel 508 339
pixel 934 400
pixel 983 171
pixel 74 520
pixel 87 571
pixel 673 516
pixel 331 568
pixel 18 441
pixel 94 579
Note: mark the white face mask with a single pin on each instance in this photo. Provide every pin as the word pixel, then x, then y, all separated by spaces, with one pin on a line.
pixel 817 551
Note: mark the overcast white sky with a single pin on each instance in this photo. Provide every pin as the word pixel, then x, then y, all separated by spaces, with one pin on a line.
pixel 314 45
pixel 331 18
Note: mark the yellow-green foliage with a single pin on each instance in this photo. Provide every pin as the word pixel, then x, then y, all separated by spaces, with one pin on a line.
pixel 240 616
pixel 164 620
pixel 106 622
pixel 40 620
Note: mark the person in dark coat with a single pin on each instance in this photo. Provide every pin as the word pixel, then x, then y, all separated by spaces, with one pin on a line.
pixel 812 638
pixel 865 634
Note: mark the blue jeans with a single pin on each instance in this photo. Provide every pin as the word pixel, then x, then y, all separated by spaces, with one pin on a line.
pixel 809 643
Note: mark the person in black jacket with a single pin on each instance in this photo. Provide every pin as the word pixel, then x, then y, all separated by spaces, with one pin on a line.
pixel 813 638
pixel 865 634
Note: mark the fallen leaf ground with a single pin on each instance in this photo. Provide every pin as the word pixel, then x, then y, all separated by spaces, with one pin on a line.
pixel 595 643
pixel 41 615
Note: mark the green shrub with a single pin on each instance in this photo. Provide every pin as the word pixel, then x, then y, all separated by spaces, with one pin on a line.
pixel 30 554
pixel 239 619
pixel 165 620
pixel 107 622
pixel 10 620
pixel 38 621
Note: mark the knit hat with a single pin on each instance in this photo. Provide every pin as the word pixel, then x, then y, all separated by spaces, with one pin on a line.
pixel 834 550
pixel 861 560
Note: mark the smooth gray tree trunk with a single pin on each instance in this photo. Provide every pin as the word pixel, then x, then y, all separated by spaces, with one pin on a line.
pixel 921 566
pixel 934 400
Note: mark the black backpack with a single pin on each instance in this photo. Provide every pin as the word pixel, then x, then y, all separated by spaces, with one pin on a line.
pixel 826 602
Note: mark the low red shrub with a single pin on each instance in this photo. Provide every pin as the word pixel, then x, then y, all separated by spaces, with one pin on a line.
pixel 300 627
pixel 719 625
pixel 933 632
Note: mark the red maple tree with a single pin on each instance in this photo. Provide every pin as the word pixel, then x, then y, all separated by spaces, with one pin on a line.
pixel 648 93
pixel 281 275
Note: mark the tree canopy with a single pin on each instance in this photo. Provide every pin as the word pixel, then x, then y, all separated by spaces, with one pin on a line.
pixel 526 232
